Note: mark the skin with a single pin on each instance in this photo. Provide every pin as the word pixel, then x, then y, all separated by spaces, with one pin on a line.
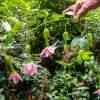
pixel 81 7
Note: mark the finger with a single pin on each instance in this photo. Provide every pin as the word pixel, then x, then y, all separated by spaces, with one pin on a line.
pixel 69 13
pixel 69 10
pixel 82 10
pixel 72 10
pixel 66 10
pixel 77 8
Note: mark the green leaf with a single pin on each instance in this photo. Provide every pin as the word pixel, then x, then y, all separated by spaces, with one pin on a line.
pixel 8 39
pixel 56 17
pixel 16 27
pixel 84 55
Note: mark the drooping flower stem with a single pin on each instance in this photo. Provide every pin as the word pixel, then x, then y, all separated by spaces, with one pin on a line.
pixel 12 94
pixel 44 89
pixel 28 95
pixel 27 90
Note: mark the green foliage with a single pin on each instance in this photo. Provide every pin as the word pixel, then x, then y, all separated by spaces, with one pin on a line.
pixel 36 24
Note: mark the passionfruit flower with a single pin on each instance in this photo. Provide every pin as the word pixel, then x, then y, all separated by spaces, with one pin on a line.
pixel 29 69
pixel 14 77
pixel 50 50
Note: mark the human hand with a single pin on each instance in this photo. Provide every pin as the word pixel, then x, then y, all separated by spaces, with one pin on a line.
pixel 81 7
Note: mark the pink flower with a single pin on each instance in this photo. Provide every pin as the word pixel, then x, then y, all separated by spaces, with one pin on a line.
pixel 97 92
pixel 15 77
pixel 48 51
pixel 29 69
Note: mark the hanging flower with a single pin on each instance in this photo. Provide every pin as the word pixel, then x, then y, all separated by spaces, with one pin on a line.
pixel 48 51
pixel 15 77
pixel 6 26
pixel 29 69
pixel 97 92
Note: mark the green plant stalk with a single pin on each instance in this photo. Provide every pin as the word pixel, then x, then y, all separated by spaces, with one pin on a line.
pixel 65 39
pixel 46 36
pixel 90 39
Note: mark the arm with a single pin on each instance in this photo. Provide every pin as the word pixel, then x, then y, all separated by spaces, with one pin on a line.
pixel 81 7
